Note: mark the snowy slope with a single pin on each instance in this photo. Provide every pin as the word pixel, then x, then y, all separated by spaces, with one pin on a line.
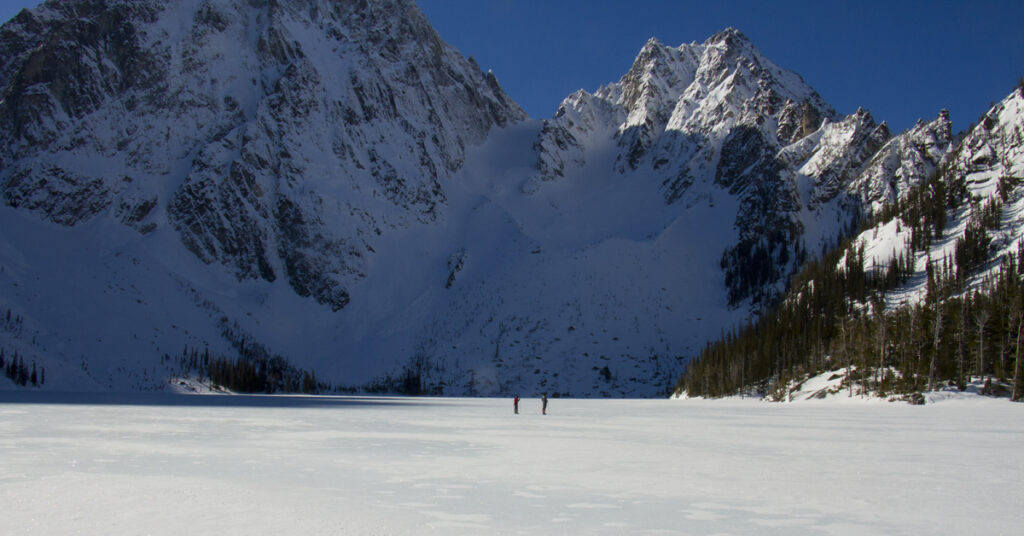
pixel 990 154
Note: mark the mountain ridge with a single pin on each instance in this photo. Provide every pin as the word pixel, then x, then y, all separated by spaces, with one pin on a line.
pixel 351 196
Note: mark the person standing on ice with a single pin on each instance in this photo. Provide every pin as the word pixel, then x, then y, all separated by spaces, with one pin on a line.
pixel 544 404
pixel 515 404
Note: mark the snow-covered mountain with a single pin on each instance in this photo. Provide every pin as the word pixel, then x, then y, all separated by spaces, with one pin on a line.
pixel 719 120
pixel 334 185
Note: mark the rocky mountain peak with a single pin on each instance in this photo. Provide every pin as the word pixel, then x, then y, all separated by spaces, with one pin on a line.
pixel 722 115
pixel 996 144
pixel 729 37
pixel 902 162
pixel 651 47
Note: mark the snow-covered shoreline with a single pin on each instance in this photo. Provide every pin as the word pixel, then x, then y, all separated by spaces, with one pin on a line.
pixel 830 387
pixel 162 464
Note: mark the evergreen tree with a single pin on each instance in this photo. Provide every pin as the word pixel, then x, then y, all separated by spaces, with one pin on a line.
pixel 1018 389
pixel 981 320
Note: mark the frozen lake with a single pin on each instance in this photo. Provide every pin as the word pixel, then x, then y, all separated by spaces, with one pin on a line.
pixel 131 464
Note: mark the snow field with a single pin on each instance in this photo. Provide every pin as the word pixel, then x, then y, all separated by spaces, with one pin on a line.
pixel 149 464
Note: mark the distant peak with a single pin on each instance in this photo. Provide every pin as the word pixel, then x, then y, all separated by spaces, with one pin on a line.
pixel 729 37
pixel 863 118
pixel 653 44
pixel 941 122
pixel 653 48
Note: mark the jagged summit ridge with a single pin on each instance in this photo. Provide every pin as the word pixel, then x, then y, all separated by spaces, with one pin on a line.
pixel 701 118
pixel 904 162
pixel 689 95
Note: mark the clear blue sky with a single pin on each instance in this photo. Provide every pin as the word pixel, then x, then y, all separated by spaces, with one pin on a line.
pixel 902 60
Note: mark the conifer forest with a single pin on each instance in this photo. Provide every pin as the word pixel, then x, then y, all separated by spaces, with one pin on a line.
pixel 843 315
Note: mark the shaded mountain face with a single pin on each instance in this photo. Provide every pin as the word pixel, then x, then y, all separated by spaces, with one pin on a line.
pixel 329 183
pixel 277 138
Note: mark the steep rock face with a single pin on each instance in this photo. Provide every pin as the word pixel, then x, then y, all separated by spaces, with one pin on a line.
pixel 565 141
pixel 994 148
pixel 62 62
pixel 838 154
pixel 276 137
pixel 904 162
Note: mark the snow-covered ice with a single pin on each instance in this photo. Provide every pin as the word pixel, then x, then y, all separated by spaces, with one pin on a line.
pixel 160 464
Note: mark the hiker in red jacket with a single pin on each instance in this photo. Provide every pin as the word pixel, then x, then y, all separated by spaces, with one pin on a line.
pixel 515 404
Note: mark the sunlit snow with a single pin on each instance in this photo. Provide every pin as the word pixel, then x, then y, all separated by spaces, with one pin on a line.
pixel 151 464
